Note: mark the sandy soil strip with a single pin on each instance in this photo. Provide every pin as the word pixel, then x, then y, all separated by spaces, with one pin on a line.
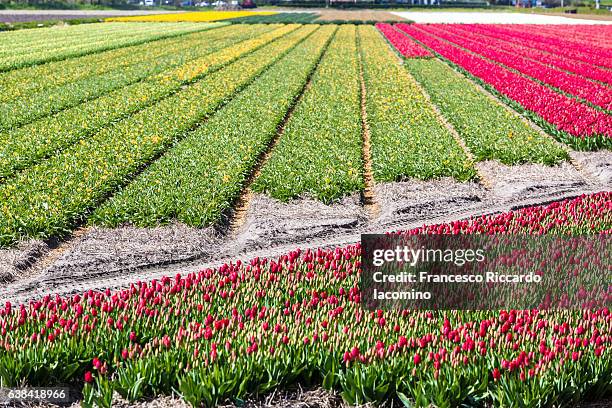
pixel 368 196
pixel 598 165
pixel 114 258
pixel 529 180
pixel 239 215
pixel 14 262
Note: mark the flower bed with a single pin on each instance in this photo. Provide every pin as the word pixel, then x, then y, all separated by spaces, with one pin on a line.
pixel 571 121
pixel 85 173
pixel 31 47
pixel 582 68
pixel 251 327
pixel 210 179
pixel 574 85
pixel 319 152
pixel 407 47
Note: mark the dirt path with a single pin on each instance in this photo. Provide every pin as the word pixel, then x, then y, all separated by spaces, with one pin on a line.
pixel 368 196
pixel 104 258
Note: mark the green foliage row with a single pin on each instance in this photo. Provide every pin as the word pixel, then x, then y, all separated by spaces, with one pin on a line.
pixel 198 180
pixel 18 51
pixel 59 38
pixel 407 138
pixel 320 151
pixel 489 130
pixel 21 147
pixel 24 25
pixel 282 18
pixel 303 18
pixel 361 22
pixel 20 83
pixel 48 199
pixel 23 110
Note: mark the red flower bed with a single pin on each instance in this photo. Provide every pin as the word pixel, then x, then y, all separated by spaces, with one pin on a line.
pixel 250 327
pixel 406 46
pixel 478 32
pixel 566 114
pixel 596 35
pixel 556 43
pixel 510 56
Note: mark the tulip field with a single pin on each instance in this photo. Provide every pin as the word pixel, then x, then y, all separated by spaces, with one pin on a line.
pixel 248 328
pixel 534 72
pixel 33 47
pixel 140 126
pixel 103 130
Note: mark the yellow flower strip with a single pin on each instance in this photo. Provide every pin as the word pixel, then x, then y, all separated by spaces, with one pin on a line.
pixel 407 138
pixel 200 178
pixel 49 198
pixel 24 146
pixel 22 82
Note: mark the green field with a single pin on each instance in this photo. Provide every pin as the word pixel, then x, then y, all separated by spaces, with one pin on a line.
pixel 168 121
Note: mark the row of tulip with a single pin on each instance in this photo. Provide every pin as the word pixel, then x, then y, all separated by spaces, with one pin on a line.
pixel 122 36
pixel 22 41
pixel 197 182
pixel 28 47
pixel 597 40
pixel 320 150
pixel 476 32
pixel 553 44
pixel 404 45
pixel 572 122
pixel 248 328
pixel 32 80
pixel 598 34
pixel 47 199
pixel 26 145
pixel 407 138
pixel 595 93
pixel 489 129
pixel 576 32
pixel 18 112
